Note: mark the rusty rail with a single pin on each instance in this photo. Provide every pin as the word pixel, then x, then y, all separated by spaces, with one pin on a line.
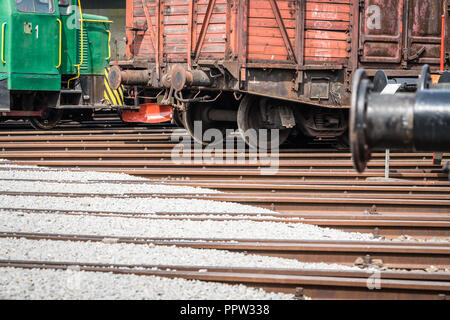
pixel 317 284
pixel 393 255
pixel 390 227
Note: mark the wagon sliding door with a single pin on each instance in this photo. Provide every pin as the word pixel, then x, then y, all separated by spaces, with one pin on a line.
pixel 424 31
pixel 381 25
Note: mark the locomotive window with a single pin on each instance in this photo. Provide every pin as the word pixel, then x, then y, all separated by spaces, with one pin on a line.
pixel 35 6
pixel 44 6
pixel 65 8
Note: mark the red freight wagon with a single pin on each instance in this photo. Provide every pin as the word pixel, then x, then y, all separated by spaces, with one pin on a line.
pixel 286 64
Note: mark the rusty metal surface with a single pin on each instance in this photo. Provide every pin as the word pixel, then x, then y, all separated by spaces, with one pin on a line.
pixel 311 283
pixel 285 46
pixel 337 198
pixel 401 255
pixel 296 202
pixel 407 35
pixel 382 226
pixel 382 30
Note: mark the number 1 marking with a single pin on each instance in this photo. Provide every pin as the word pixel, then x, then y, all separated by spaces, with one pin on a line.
pixel 37 32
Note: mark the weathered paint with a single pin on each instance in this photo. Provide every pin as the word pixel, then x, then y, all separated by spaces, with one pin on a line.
pixel 327 31
pixel 326 24
pixel 31 48
pixel 408 32
pixel 326 39
pixel 96 40
pixel 288 49
pixel 115 11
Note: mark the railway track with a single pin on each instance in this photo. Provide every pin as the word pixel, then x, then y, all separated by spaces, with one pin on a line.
pixel 307 181
pixel 310 187
pixel 390 255
pixel 391 227
pixel 291 203
pixel 316 284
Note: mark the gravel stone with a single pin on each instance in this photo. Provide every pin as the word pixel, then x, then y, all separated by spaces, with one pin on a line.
pixel 115 253
pixel 98 188
pixel 74 285
pixel 11 171
pixel 136 205
pixel 135 227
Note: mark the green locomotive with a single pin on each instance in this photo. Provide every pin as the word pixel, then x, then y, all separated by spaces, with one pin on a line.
pixel 52 61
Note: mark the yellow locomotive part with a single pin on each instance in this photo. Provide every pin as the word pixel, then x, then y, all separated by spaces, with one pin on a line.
pixel 114 97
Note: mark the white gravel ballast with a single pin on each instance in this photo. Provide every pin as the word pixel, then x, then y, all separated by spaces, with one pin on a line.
pixel 50 284
pixel 12 171
pixel 99 188
pixel 118 253
pixel 135 227
pixel 126 205
pixel 74 285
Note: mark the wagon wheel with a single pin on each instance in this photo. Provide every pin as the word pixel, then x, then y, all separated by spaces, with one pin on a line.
pixel 202 129
pixel 49 119
pixel 250 116
pixel 198 127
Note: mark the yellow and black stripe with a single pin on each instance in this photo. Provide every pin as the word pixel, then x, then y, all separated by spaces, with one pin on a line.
pixel 114 97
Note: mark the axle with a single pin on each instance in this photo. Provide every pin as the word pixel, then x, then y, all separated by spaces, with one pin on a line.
pixel 408 122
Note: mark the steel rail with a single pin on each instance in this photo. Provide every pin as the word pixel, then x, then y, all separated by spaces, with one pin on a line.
pixel 404 218
pixel 263 198
pixel 86 145
pixel 206 241
pixel 410 256
pixel 279 197
pixel 317 284
pixel 168 162
pixel 231 152
pixel 423 227
pixel 275 182
pixel 241 174
pixel 84 131
pixel 268 187
pixel 110 137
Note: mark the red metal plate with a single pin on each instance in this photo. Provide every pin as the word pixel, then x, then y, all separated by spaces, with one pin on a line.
pixel 149 113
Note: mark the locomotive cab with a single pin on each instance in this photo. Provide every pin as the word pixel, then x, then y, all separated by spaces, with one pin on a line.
pixel 53 60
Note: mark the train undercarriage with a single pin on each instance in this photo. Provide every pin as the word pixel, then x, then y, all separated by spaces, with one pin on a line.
pixel 209 110
pixel 44 110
